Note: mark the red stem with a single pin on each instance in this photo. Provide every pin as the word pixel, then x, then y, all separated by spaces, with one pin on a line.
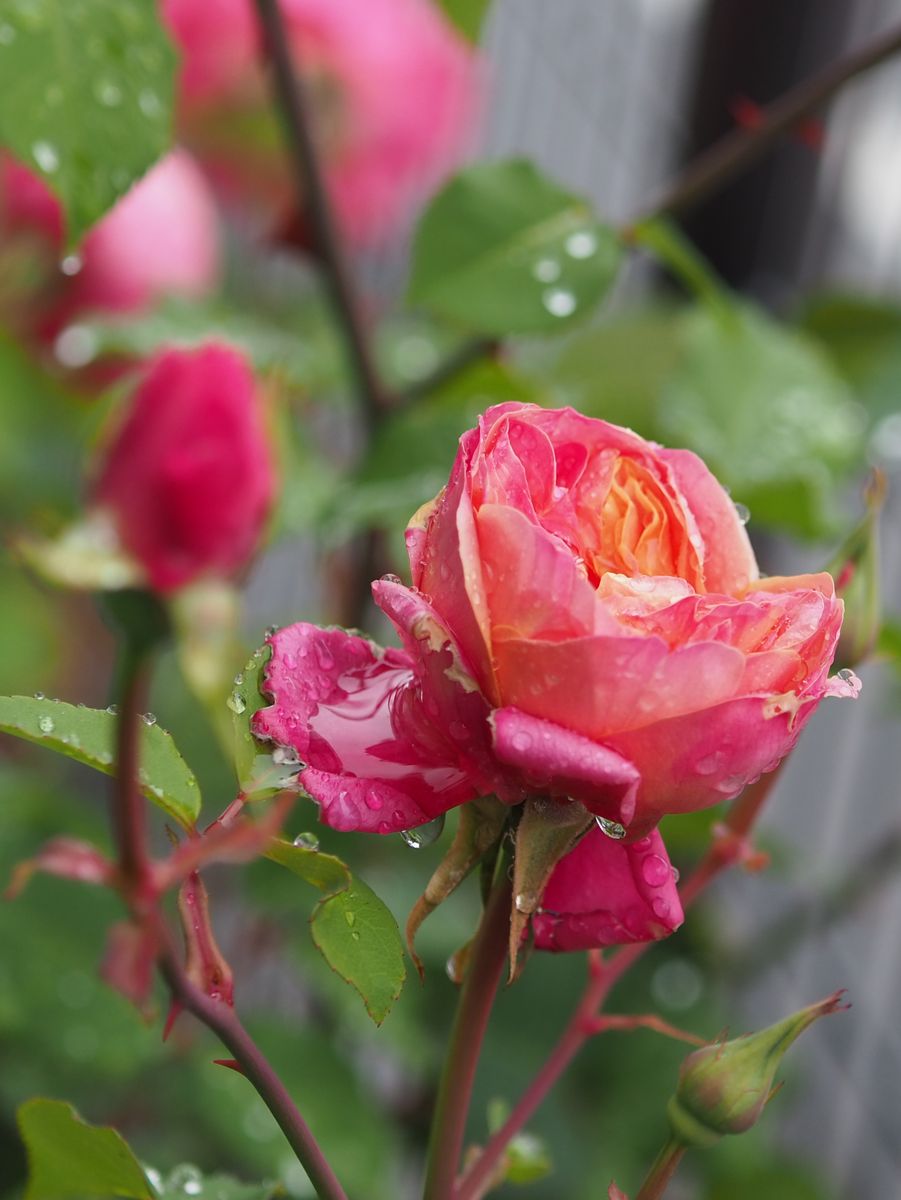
pixel 725 850
pixel 130 826
pixel 480 986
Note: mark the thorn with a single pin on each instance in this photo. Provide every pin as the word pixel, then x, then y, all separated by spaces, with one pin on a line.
pixel 176 1008
pixel 231 1063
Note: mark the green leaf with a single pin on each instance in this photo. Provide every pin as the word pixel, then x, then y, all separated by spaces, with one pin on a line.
pixel 68 1157
pixel 504 250
pixel 354 931
pixel 89 736
pixel 467 15
pixel 87 97
pixel 764 409
pixel 245 700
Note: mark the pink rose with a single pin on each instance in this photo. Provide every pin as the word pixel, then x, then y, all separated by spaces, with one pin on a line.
pixel 586 621
pixel 160 239
pixel 188 476
pixel 394 92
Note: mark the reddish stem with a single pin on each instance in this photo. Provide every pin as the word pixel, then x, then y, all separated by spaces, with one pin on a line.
pixel 726 849
pixel 128 806
pixel 483 975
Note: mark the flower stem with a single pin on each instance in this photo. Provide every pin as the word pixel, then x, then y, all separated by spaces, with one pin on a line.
pixel 483 975
pixel 130 828
pixel 723 852
pixel 662 1171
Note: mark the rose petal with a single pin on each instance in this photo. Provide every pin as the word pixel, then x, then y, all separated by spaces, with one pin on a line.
pixel 605 893
pixel 354 714
pixel 563 763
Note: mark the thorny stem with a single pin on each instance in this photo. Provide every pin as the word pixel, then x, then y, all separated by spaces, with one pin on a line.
pixel 662 1171
pixel 741 148
pixel 483 975
pixel 129 824
pixel 726 849
pixel 293 105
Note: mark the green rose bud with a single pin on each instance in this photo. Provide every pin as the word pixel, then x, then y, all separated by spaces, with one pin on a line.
pixel 723 1088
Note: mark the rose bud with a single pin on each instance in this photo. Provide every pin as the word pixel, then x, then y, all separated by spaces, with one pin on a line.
pixel 393 91
pixel 586 623
pixel 723 1088
pixel 160 239
pixel 188 478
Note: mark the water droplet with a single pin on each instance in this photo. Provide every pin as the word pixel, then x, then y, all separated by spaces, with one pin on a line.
pixel 307 841
pixel 46 156
pixel 154 1178
pixel 186 1179
pixel 45 724
pixel 522 742
pixel 559 302
pixel 7 35
pixel 324 656
pixel 350 917
pixel 355 935
pixel 113 710
pixel 654 870
pixel 236 703
pixel 582 244
pixel 75 346
pixel 612 829
pixel 424 835
pixel 526 902
pixel 238 679
pixel 148 718
pixel 285 756
pixel 660 908
pixel 677 874
pixel 546 270
pixel 373 800
pixel 392 579
pixel 71 264
pixel 108 93
pixel 39 696
pixel 149 103
pixel 846 675
pixel 707 765
pixel 743 513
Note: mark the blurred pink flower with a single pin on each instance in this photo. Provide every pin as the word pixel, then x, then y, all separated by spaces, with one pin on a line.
pixel 161 238
pixel 586 622
pixel 395 94
pixel 188 477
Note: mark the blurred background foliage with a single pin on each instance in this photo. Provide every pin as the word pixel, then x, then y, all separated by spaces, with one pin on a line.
pixel 790 404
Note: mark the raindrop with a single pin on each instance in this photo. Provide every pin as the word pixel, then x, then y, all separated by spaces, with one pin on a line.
pixel 236 703
pixel 154 1178
pixel 424 835
pixel 391 579
pixel 706 766
pixel 325 656
pixel 39 696
pixel 546 270
pixel 149 103
pixel 350 917
pixel 76 346
pixel 46 156
pixel 654 870
pixel 582 244
pixel 307 841
pixel 355 935
pixel 285 756
pixel 846 675
pixel 660 908
pixel 238 679
pixel 559 302
pixel 373 800
pixel 148 718
pixel 270 631
pixel 45 724
pixel 522 742
pixel 677 875
pixel 71 264
pixel 113 710
pixel 186 1179
pixel 108 93
pixel 743 513
pixel 526 902
pixel 612 829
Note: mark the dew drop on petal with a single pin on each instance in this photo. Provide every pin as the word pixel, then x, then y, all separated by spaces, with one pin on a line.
pixel 743 513
pixel 654 870
pixel 424 835
pixel 612 829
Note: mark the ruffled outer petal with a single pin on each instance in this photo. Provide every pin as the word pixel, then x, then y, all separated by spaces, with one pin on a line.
pixel 374 760
pixel 604 893
pixel 550 759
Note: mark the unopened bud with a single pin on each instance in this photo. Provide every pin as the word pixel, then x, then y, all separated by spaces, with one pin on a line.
pixel 723 1088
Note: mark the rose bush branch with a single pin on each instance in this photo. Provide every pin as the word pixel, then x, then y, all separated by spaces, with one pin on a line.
pixel 129 821
pixel 726 849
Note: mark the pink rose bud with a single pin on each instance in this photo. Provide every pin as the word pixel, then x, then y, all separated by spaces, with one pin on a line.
pixel 161 239
pixel 189 477
pixel 586 622
pixel 723 1088
pixel 394 92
